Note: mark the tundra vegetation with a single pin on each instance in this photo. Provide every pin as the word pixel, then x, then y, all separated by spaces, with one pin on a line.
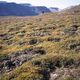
pixel 43 47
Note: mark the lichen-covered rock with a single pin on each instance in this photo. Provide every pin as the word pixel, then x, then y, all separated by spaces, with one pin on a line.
pixel 65 74
pixel 8 65
pixel 16 59
pixel 74 46
pixel 71 30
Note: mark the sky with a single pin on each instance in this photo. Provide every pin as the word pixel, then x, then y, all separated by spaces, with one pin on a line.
pixel 49 3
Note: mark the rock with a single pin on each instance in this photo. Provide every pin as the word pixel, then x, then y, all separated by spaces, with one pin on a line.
pixel 9 65
pixel 16 59
pixel 65 74
pixel 21 34
pixel 78 31
pixel 2 35
pixel 9 42
pixel 25 52
pixel 71 30
pixel 45 74
pixel 54 39
pixel 58 64
pixel 17 62
pixel 41 34
pixel 74 46
pixel 14 54
pixel 11 29
pixel 7 37
pixel 36 63
pixel 23 58
pixel 22 43
pixel 33 41
pixel 1 67
pixel 75 26
pixel 3 58
pixel 1 46
pixel 39 51
pixel 53 76
pixel 68 63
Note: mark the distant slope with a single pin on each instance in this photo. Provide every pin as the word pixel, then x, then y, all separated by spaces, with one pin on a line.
pixel 54 9
pixel 73 9
pixel 41 9
pixel 13 9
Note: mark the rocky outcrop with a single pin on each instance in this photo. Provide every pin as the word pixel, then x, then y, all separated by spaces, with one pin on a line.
pixel 13 60
pixel 71 30
pixel 65 74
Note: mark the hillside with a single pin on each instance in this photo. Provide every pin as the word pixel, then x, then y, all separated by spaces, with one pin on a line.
pixel 72 10
pixel 14 9
pixel 44 47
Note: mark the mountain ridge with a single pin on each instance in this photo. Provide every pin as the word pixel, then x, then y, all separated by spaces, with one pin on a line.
pixel 14 9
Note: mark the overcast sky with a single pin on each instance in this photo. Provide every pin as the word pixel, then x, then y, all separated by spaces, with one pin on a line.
pixel 49 3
